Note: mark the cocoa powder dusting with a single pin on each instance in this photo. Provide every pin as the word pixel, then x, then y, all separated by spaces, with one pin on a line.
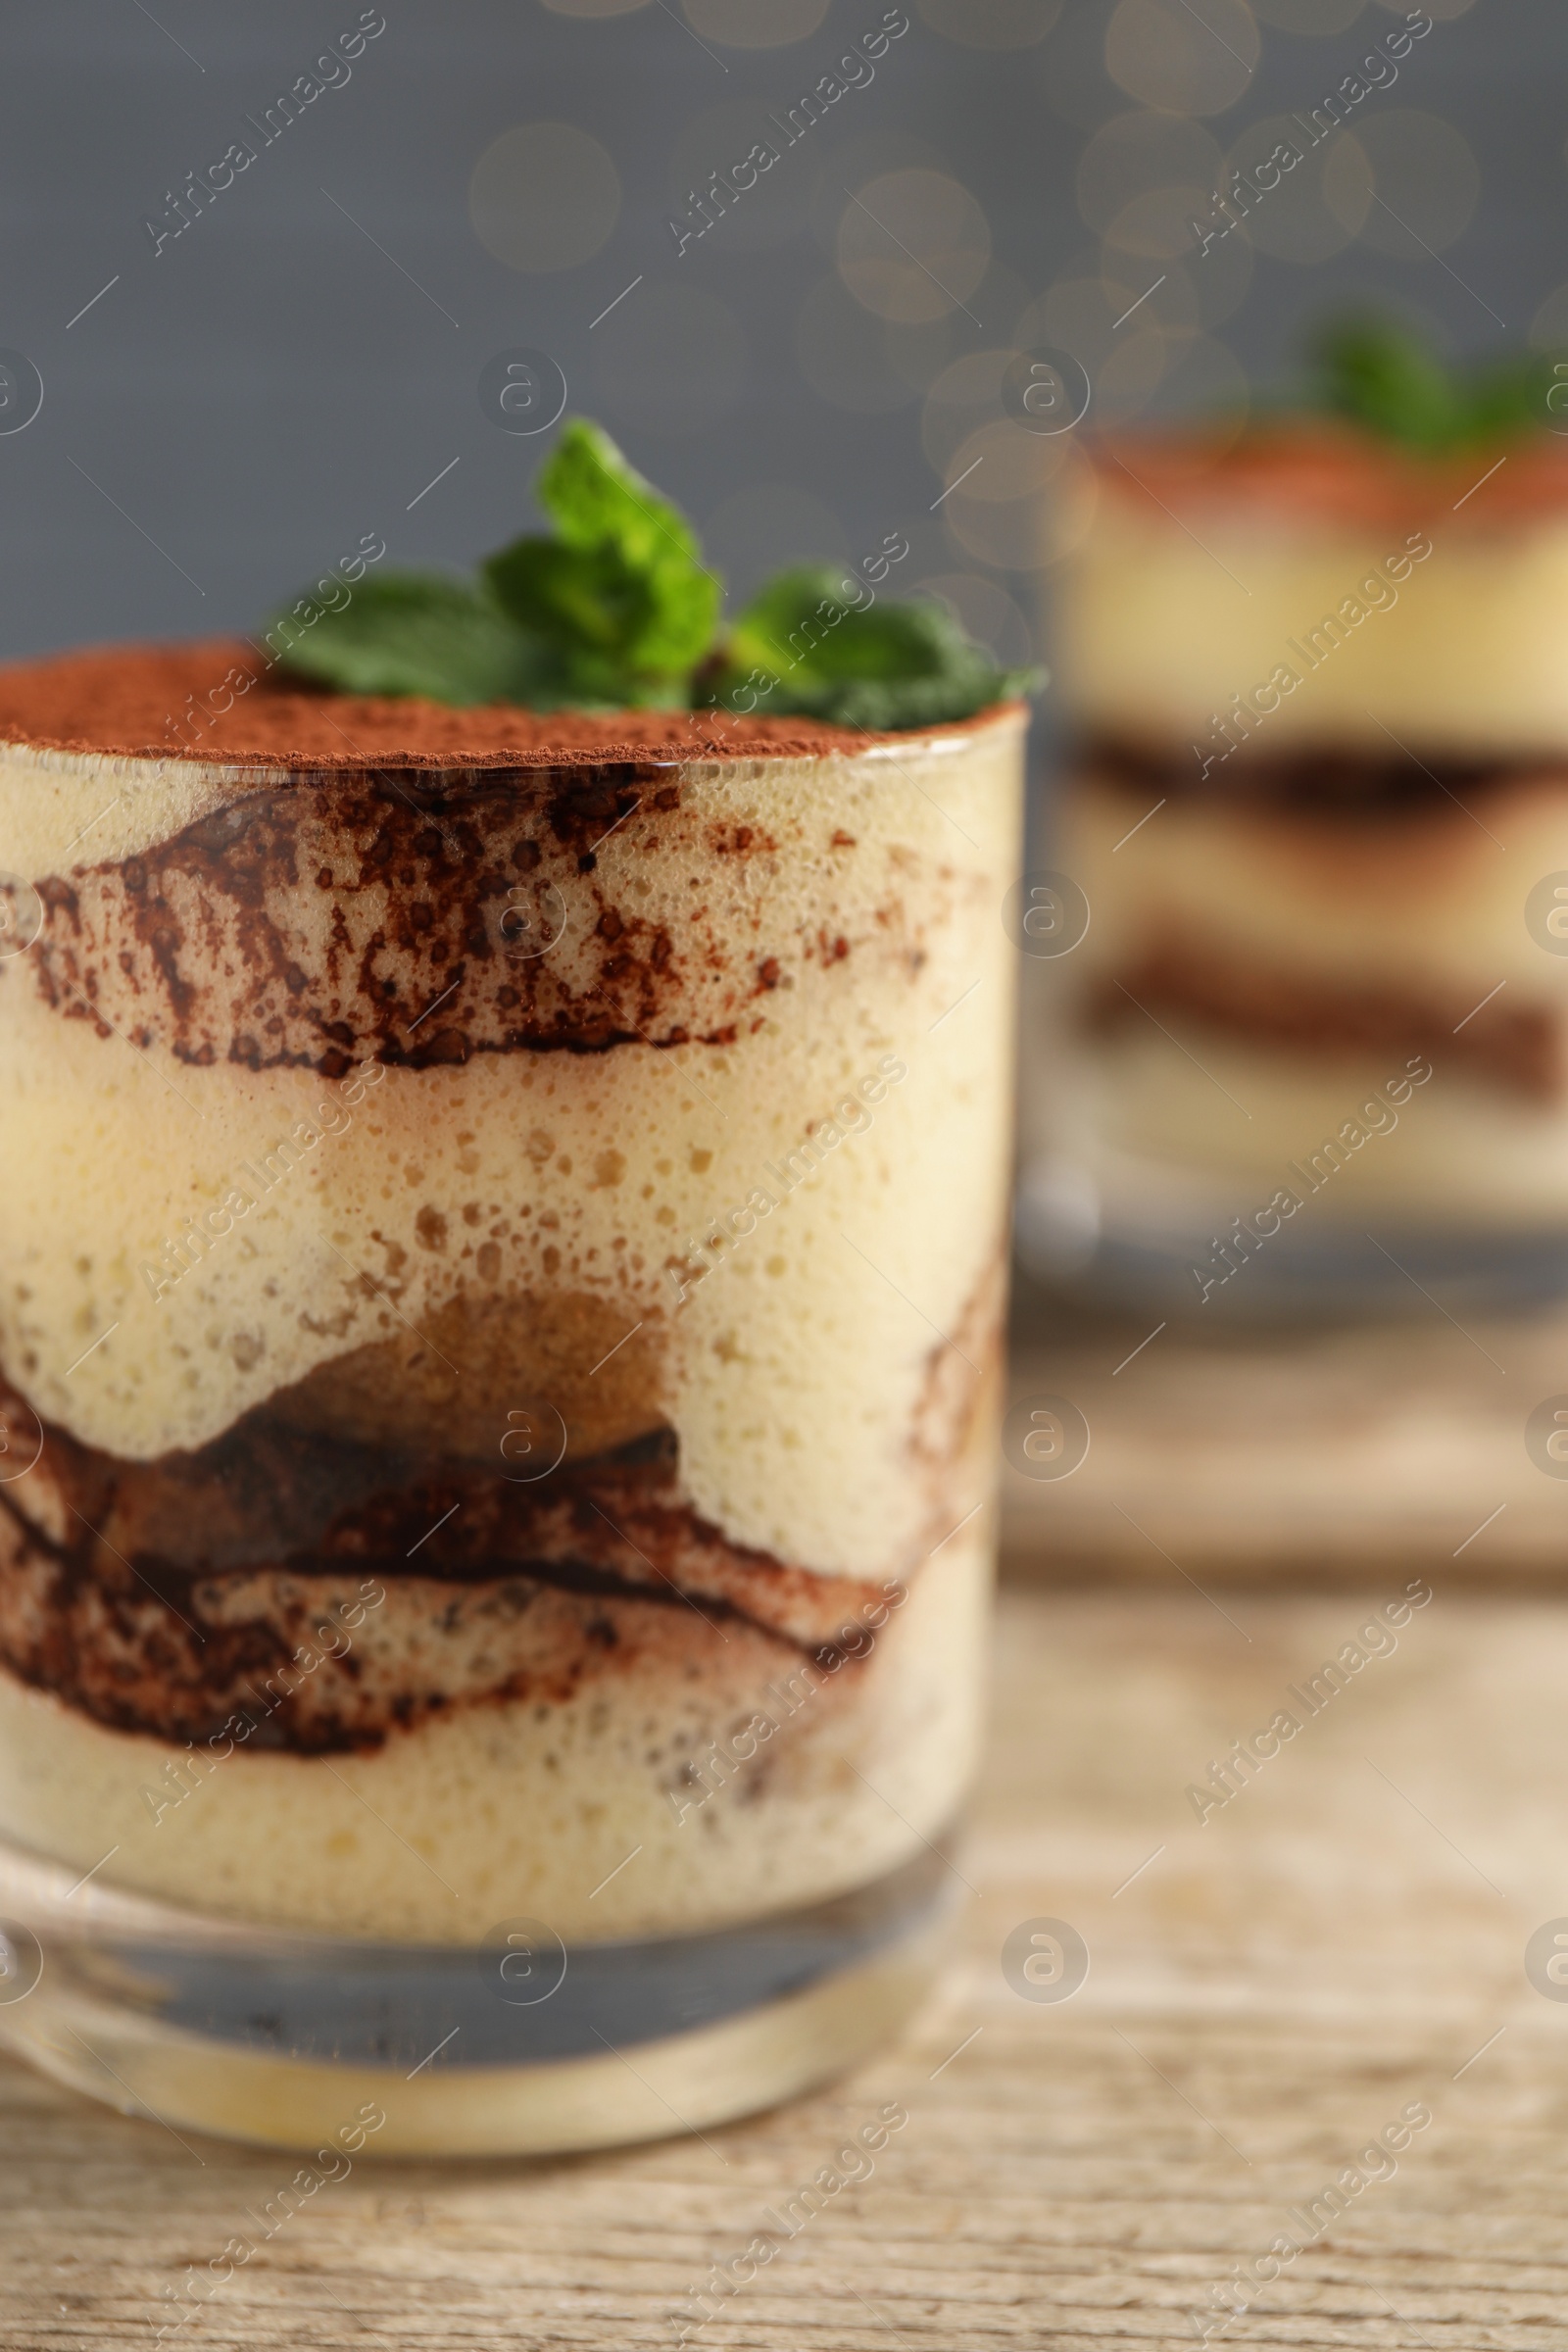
pixel 216 700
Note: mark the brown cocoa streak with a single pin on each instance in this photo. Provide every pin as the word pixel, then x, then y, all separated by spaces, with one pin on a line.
pixel 126 1619
pixel 215 952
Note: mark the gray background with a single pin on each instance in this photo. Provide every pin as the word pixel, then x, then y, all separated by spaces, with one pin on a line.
pixel 272 385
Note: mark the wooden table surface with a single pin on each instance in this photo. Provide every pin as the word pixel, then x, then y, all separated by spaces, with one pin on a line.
pixel 1269 1988
pixel 1303 1453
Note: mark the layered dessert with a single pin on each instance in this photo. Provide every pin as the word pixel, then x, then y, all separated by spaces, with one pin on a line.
pixel 502 1242
pixel 1319 765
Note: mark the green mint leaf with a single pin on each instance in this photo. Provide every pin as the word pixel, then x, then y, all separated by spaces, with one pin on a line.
pixel 1383 378
pixel 598 618
pixel 621 593
pixel 413 633
pixel 1511 398
pixel 808 645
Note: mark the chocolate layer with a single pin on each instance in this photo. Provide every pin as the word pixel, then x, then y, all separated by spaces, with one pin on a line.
pixel 384 916
pixel 387 916
pixel 1513 1045
pixel 162 1597
pixel 1339 780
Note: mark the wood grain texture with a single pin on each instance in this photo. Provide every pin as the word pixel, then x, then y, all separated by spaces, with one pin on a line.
pixel 1268 1453
pixel 1267 1993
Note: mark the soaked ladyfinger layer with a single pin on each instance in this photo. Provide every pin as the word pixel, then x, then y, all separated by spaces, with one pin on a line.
pixel 684 1775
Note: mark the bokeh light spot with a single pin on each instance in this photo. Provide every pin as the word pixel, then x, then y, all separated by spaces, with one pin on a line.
pixel 1303 210
pixel 544 196
pixel 966 395
pixel 1422 184
pixel 992 23
pixel 1188 60
pixel 1549 330
pixel 1124 364
pixel 1028 501
pixel 1136 155
pixel 755 23
pixel 1311 17
pixel 912 245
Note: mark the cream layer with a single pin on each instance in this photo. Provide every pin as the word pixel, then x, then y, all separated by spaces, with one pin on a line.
pixel 1133 1108
pixel 1161 626
pixel 1412 902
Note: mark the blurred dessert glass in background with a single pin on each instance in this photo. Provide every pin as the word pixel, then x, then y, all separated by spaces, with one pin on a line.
pixel 1305 976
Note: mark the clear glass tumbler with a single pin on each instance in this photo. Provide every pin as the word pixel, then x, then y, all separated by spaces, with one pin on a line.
pixel 501 1268
pixel 1303 999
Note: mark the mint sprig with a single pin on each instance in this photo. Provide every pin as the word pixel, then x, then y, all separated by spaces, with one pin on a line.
pixel 617 610
pixel 621 595
pixel 807 644
pixel 1386 379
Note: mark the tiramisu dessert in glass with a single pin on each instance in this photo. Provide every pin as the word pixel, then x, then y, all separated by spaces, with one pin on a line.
pixel 502 1248
pixel 1312 1018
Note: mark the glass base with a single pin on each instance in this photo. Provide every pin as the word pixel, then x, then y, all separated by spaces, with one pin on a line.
pixel 1156 1239
pixel 522 2046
